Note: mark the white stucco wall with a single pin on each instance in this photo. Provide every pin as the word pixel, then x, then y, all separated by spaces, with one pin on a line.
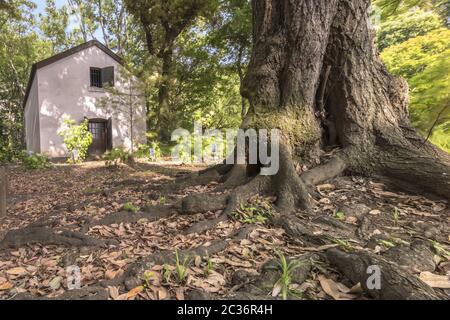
pixel 32 119
pixel 64 91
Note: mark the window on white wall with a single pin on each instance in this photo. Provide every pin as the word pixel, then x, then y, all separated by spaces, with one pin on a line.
pixel 96 78
pixel 102 77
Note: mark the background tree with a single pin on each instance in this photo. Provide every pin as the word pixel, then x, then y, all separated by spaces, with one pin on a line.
pixel 22 47
pixel 53 24
pixel 163 22
pixel 231 34
pixel 126 102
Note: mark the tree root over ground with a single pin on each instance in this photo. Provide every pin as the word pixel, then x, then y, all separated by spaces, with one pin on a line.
pixel 293 204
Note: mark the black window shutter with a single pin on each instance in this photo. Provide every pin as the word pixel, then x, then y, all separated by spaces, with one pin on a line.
pixel 108 77
pixel 109 139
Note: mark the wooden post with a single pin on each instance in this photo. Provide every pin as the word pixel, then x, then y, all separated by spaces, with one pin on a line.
pixel 3 191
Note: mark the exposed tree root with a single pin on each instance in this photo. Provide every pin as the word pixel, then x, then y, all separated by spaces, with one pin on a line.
pixel 47 236
pixel 194 179
pixel 132 277
pixel 234 178
pixel 151 213
pixel 396 284
pixel 240 195
pixel 89 293
pixel 424 167
pixel 203 203
pixel 205 225
pixel 291 191
pixel 335 167
pixel 296 229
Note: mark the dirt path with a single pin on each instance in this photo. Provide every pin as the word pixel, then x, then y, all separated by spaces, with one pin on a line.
pixel 234 258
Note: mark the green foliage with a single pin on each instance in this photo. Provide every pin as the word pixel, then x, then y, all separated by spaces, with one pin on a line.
pixel 396 216
pixel 148 276
pixel 260 211
pixel 411 24
pixel 20 47
pixel 181 268
pixel 440 250
pixel 77 139
pixel 344 244
pixel 116 156
pixel 285 281
pixel 35 161
pixel 392 8
pixel 209 267
pixel 340 215
pixel 425 62
pixel 130 207
pixel 387 244
pixel 167 273
pixel 143 151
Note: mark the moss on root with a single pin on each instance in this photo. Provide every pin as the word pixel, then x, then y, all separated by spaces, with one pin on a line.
pixel 299 129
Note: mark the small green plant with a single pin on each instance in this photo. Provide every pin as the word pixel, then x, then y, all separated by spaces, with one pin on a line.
pixel 162 200
pixel 344 244
pixel 77 139
pixel 116 156
pixel 130 207
pixel 147 278
pixel 209 267
pixel 167 273
pixel 285 281
pixel 181 267
pixel 440 250
pixel 34 161
pixel 260 211
pixel 340 215
pixel 387 244
pixel 396 216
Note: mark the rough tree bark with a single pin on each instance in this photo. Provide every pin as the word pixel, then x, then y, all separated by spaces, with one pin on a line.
pixel 316 75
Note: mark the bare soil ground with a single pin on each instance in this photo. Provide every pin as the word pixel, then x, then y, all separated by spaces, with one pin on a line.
pixel 352 214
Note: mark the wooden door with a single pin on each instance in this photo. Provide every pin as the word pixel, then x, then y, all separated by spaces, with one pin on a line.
pixel 98 129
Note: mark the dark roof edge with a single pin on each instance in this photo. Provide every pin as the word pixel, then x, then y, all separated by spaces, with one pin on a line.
pixel 63 55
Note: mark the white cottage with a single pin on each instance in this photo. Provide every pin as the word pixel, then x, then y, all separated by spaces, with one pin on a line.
pixel 71 84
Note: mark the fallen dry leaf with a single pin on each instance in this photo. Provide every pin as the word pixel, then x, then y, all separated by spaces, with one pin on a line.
pixel 435 281
pixel 335 290
pixel 179 293
pixel 134 292
pixel 326 187
pixel 113 292
pixel 6 286
pixel 16 271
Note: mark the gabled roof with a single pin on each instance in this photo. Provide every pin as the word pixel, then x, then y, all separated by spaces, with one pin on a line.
pixel 66 54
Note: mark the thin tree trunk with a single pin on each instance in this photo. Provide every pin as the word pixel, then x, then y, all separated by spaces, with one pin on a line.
pixel 163 110
pixel 3 191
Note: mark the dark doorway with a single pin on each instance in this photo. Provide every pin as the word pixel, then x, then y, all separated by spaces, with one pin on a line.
pixel 99 130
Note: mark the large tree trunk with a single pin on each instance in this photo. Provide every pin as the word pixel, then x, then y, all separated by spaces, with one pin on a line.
pixel 316 75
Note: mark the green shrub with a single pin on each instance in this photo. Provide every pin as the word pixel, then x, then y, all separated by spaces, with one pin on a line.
pixel 35 161
pixel 116 156
pixel 77 139
pixel 144 151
